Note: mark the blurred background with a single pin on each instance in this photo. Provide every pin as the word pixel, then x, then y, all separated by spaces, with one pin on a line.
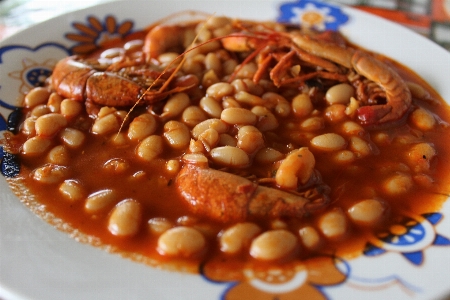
pixel 428 17
pixel 19 14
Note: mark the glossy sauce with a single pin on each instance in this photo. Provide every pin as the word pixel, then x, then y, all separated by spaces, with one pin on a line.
pixel 153 186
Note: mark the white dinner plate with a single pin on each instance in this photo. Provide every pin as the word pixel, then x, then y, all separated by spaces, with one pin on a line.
pixel 38 261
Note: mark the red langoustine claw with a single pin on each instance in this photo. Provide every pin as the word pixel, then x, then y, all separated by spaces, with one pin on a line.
pixel 227 197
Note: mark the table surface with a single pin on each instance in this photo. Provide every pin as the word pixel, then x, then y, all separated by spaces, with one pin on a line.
pixel 430 18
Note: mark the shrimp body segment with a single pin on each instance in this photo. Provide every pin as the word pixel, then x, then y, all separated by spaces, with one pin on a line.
pixel 227 197
pixel 82 80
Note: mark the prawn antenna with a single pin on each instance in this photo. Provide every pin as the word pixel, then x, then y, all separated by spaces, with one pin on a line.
pixel 167 82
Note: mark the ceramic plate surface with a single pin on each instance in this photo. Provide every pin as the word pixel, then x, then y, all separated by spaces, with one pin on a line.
pixel 39 262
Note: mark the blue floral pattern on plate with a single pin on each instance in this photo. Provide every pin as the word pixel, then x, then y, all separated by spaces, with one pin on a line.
pixel 29 71
pixel 410 238
pixel 313 14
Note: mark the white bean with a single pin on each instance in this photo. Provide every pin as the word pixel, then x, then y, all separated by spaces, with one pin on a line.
pixel 59 155
pixel 158 226
pixel 238 116
pixel 196 158
pixel 106 124
pixel 150 148
pixel 366 211
pixel 209 78
pixel 268 156
pixel 71 108
pixel 36 96
pixel 173 166
pixel 99 200
pixel 211 106
pixel 340 93
pixel 227 140
pixel 209 139
pixel 177 134
pixel 40 110
pixel 420 156
pixel 333 224
pixel 48 125
pixel 72 138
pixel 116 165
pixel 238 236
pixel 344 157
pixel 273 245
pixel 249 139
pixel 309 237
pixel 422 119
pixel 106 110
pixel 141 127
pixel 398 184
pixel 54 102
pixel 352 128
pixel 302 105
pixel 72 190
pixel 359 146
pixel 266 119
pixel 230 156
pixel 35 146
pixel 219 90
pixel 215 124
pixel 125 218
pixel 298 166
pixel 312 124
pixel 28 126
pixel 50 173
pixel 181 241
pixel 193 115
pixel 335 113
pixel 197 147
pixel 175 105
pixel 329 142
pixel 119 140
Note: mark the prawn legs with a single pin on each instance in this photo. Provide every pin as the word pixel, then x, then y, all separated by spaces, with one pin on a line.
pixel 78 80
pixel 397 93
pixel 332 61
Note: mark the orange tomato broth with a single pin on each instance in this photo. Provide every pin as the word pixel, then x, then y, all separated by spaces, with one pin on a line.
pixel 157 192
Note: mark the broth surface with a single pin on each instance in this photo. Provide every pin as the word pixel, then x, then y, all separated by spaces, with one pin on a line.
pixel 389 165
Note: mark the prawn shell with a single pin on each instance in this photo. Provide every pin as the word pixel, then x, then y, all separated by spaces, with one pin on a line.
pixel 224 198
pixel 274 203
pixel 70 76
pixel 110 89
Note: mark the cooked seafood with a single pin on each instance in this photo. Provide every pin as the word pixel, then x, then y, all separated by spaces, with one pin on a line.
pixel 77 80
pixel 231 198
pixel 210 139
pixel 323 54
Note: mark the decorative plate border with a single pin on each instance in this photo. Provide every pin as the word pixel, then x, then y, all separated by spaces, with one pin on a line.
pixel 315 278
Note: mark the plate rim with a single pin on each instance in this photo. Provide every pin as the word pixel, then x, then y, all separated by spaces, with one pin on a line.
pixel 349 10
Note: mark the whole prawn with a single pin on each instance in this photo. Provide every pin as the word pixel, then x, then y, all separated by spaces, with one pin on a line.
pixel 75 78
pixel 332 61
pixel 398 95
